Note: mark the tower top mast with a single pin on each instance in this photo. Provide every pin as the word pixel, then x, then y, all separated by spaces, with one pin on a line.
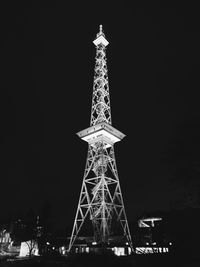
pixel 100 38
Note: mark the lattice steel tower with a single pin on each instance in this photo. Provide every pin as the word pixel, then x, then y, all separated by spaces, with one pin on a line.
pixel 100 200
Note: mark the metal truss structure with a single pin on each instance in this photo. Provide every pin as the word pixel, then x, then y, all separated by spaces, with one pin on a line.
pixel 100 198
pixel 148 222
pixel 101 98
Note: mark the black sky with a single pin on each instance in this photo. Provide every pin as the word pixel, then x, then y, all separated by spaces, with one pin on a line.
pixel 47 66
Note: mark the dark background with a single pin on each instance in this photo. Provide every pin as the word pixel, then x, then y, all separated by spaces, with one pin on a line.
pixel 47 65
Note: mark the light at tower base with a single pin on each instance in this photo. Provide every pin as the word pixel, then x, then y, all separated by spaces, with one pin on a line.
pixel 100 203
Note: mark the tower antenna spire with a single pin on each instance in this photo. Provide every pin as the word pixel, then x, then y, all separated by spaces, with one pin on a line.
pixel 100 29
pixel 100 202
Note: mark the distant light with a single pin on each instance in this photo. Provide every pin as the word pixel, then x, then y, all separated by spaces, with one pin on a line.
pixel 94 243
pixel 119 251
pixel 170 243
pixel 154 243
pixel 126 243
pixel 48 243
pixel 63 248
pixel 147 243
pixel 53 247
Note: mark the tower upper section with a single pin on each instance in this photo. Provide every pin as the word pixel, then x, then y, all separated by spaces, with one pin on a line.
pixel 101 111
pixel 100 39
pixel 101 129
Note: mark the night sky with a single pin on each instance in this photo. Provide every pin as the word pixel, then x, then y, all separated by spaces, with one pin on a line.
pixel 47 66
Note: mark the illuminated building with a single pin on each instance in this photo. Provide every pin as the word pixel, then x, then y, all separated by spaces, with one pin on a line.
pixel 4 237
pixel 151 236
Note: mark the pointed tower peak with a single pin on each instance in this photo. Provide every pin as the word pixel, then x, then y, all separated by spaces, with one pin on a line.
pixel 38 219
pixel 100 39
pixel 100 31
pixel 101 28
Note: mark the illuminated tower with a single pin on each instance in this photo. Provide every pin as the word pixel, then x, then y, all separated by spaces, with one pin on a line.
pixel 100 200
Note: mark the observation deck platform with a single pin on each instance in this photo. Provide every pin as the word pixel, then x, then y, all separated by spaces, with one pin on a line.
pixel 101 132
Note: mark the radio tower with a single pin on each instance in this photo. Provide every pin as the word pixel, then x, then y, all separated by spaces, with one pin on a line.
pixel 101 199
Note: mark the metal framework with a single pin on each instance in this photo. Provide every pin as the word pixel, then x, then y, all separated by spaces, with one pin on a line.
pixel 100 198
pixel 148 222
